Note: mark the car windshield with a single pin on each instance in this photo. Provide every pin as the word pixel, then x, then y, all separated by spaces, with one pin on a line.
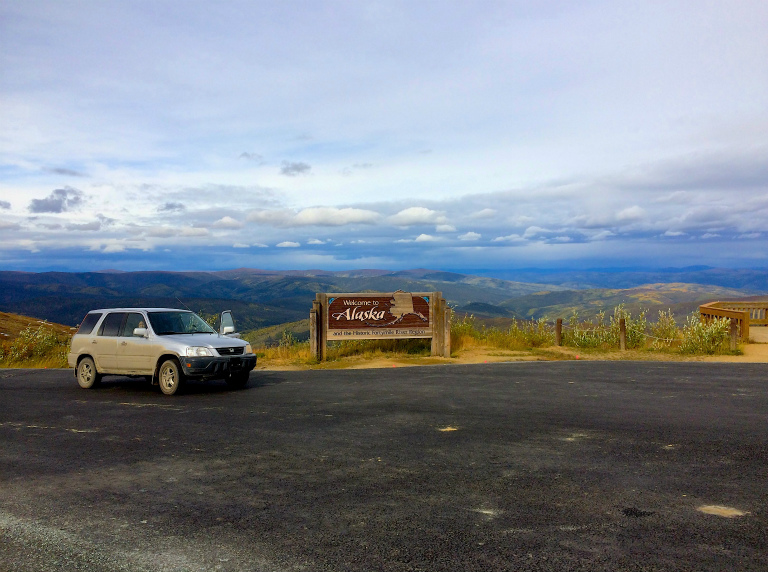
pixel 166 323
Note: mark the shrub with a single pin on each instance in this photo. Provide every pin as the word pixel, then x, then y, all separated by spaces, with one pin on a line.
pixel 705 337
pixel 664 330
pixel 635 328
pixel 34 346
pixel 592 334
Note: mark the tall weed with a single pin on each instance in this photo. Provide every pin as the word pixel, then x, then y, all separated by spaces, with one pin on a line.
pixel 705 337
pixel 36 346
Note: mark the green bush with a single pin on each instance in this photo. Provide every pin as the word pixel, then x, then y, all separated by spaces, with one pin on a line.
pixel 664 331
pixel 705 337
pixel 635 328
pixel 36 345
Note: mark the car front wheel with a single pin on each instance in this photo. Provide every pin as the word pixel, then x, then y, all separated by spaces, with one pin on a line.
pixel 170 377
pixel 87 376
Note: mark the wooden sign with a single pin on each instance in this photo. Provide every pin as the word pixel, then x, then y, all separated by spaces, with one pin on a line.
pixel 337 317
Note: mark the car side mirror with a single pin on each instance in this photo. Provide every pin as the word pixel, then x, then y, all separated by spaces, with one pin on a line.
pixel 140 332
pixel 228 330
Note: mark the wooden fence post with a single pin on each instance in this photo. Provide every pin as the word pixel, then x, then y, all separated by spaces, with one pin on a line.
pixel 447 330
pixel 622 334
pixel 559 332
pixel 734 334
pixel 314 334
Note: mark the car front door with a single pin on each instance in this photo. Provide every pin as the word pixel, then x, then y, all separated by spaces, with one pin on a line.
pixel 104 344
pixel 135 353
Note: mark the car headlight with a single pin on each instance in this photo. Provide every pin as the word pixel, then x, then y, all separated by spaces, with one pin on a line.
pixel 199 351
pixel 248 349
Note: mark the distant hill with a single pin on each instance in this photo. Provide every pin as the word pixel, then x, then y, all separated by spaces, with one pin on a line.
pixel 754 280
pixel 261 298
pixel 258 298
pixel 682 299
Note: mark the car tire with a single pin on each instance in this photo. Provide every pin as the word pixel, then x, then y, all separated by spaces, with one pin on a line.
pixel 170 377
pixel 238 380
pixel 87 376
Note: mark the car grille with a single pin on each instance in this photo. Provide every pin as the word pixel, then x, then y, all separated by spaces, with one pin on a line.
pixel 230 351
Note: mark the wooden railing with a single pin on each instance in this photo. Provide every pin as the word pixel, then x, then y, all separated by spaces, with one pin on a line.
pixel 746 313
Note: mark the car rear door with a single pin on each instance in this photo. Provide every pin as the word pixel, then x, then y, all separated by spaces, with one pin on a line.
pixel 104 344
pixel 135 354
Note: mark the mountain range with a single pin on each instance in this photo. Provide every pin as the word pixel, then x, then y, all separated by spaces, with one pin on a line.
pixel 263 298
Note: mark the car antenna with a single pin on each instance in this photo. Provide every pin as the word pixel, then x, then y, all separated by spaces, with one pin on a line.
pixel 183 304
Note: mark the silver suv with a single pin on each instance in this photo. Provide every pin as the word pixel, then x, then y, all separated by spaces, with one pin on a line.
pixel 164 344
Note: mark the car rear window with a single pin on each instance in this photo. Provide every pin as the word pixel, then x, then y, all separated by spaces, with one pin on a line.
pixel 88 323
pixel 111 324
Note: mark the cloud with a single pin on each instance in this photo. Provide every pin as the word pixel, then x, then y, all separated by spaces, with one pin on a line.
pixel 5 205
pixel 315 241
pixel 315 216
pixel 64 171
pixel 288 244
pixel 59 201
pixel 191 232
pixel 4 225
pixel 415 216
pixel 293 169
pixel 470 236
pixel 227 222
pixel 328 216
pixel 445 228
pixel 631 214
pixel 251 157
pixel 602 235
pixel 532 231
pixel 509 238
pixel 171 207
pixel 90 226
pixel 425 238
pixel 484 213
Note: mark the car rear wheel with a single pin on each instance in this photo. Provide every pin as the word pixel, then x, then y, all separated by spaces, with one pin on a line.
pixel 170 377
pixel 87 376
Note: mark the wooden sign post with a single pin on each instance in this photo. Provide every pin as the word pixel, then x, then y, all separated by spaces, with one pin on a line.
pixel 379 316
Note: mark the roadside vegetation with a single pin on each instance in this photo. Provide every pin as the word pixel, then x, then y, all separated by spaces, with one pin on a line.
pixel 663 335
pixel 32 343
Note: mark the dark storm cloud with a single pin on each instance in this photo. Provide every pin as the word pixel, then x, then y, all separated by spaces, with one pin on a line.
pixel 59 201
pixel 171 207
pixel 293 169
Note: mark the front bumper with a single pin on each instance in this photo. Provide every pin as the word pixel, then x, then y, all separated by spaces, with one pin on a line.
pixel 217 367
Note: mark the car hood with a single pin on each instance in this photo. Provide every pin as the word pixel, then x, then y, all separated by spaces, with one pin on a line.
pixel 210 340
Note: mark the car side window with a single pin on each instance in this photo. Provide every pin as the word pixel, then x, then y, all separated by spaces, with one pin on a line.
pixel 89 322
pixel 132 321
pixel 111 324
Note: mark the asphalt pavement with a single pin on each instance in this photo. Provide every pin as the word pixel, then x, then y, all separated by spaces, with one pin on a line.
pixel 556 466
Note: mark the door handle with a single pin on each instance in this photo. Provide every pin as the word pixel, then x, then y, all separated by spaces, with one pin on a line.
pixel 123 343
pixel 94 342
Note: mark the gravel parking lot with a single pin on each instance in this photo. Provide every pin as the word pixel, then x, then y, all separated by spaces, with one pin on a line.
pixel 521 466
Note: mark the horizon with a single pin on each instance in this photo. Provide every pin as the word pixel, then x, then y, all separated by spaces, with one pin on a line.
pixel 337 135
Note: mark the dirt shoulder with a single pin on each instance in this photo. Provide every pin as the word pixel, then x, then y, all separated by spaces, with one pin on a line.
pixel 751 353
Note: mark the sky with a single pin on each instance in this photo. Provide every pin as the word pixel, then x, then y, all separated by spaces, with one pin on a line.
pixel 461 135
